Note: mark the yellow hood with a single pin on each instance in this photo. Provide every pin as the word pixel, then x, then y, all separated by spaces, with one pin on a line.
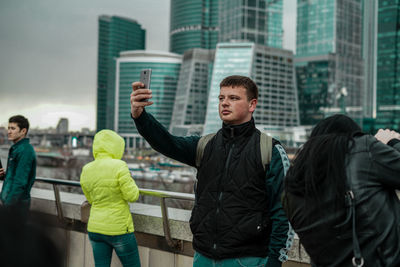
pixel 108 144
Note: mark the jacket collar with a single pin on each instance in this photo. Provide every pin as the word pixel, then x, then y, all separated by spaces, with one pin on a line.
pixel 20 142
pixel 236 131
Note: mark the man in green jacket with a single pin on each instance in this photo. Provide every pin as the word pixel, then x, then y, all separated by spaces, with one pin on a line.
pixel 237 219
pixel 21 166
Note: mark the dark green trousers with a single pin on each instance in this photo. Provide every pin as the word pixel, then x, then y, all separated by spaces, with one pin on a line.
pixel 202 261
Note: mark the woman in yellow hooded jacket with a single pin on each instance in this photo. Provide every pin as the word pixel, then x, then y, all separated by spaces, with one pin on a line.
pixel 108 186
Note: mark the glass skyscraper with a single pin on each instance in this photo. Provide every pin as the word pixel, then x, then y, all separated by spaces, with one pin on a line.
pixel 388 65
pixel 192 92
pixel 315 33
pixel 203 23
pixel 165 70
pixel 329 59
pixel 193 24
pixel 258 21
pixel 115 34
pixel 272 69
pixel 313 80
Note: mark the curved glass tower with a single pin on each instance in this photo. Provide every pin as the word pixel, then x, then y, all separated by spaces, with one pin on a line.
pixel 165 72
pixel 194 24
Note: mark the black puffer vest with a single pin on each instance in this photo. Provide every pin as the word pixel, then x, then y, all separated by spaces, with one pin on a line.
pixel 230 217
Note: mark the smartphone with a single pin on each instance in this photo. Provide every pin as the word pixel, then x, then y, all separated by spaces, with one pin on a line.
pixel 1 165
pixel 145 78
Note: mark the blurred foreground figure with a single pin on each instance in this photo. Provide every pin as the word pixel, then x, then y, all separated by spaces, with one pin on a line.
pixel 340 195
pixel 29 241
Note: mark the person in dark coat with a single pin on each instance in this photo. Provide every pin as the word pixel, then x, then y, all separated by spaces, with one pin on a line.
pixel 340 195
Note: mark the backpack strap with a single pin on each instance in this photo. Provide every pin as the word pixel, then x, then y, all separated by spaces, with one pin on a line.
pixel 266 149
pixel 200 147
pixel 265 146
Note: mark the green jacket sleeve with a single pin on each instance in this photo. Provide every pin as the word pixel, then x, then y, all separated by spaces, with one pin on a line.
pixel 282 234
pixel 182 149
pixel 128 187
pixel 21 179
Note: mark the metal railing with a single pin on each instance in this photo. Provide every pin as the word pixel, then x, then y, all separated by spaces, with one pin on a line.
pixel 163 195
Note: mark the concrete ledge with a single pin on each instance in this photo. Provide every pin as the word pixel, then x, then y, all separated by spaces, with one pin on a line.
pixel 147 219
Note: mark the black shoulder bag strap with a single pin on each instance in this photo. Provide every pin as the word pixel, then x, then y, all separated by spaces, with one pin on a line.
pixel 357 260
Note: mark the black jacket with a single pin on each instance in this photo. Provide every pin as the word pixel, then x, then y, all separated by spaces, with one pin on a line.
pixel 373 169
pixel 230 217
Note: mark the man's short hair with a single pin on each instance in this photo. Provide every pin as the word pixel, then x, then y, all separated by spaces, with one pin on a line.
pixel 21 121
pixel 246 82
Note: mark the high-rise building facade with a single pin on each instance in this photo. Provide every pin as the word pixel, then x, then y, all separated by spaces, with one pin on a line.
pixel 315 33
pixel 192 92
pixel 329 59
pixel 272 69
pixel 258 21
pixel 164 78
pixel 193 24
pixel 388 65
pixel 314 76
pixel 369 49
pixel 115 34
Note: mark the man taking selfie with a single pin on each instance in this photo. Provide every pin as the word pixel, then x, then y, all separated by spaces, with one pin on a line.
pixel 237 219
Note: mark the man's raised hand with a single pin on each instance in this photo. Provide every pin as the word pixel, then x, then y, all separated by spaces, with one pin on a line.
pixel 139 99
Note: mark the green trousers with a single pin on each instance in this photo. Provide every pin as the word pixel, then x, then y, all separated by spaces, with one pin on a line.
pixel 202 261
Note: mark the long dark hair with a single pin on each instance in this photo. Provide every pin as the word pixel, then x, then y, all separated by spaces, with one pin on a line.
pixel 320 163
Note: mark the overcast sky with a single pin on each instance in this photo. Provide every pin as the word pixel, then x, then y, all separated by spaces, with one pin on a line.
pixel 48 54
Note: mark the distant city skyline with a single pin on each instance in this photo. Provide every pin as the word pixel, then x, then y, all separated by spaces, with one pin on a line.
pixel 48 54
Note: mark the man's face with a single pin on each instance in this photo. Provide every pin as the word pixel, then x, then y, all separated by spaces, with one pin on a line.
pixel 15 133
pixel 234 107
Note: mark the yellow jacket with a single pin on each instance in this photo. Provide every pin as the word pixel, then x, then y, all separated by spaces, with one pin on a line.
pixel 108 186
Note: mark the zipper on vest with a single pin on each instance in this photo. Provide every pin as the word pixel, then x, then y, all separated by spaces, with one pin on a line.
pixel 228 159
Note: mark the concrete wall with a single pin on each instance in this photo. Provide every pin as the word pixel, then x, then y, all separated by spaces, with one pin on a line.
pixel 153 249
pixel 80 254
